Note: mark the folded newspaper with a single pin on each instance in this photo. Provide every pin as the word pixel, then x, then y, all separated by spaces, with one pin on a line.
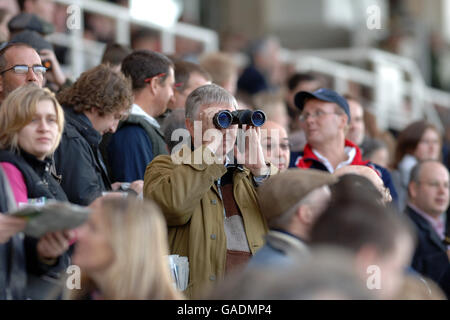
pixel 51 216
pixel 179 267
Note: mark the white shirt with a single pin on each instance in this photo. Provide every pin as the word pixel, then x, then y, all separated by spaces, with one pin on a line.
pixel 349 151
pixel 136 110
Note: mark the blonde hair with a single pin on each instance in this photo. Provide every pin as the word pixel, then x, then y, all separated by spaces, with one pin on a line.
pixel 17 111
pixel 138 237
pixel 220 66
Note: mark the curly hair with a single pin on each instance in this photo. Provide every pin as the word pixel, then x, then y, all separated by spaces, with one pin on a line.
pixel 100 88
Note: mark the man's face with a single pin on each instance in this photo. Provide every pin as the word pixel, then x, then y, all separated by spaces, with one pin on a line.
pixel 431 193
pixel 178 100
pixel 210 133
pixel 108 122
pixel 275 143
pixel 321 122
pixel 9 81
pixel 165 92
pixel 357 127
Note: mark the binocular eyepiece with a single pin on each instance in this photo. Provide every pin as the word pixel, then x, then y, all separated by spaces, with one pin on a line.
pixel 224 119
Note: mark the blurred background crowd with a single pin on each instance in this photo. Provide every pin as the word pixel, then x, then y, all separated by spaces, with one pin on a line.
pixel 387 60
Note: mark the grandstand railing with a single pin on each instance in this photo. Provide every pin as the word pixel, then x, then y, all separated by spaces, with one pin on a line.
pixel 83 50
pixel 343 65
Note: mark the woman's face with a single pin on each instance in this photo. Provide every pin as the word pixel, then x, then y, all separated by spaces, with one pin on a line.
pixel 93 251
pixel 39 136
pixel 429 146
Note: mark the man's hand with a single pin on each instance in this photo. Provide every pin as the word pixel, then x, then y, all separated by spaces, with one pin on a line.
pixel 253 156
pixel 9 226
pixel 115 186
pixel 54 244
pixel 137 186
pixel 55 75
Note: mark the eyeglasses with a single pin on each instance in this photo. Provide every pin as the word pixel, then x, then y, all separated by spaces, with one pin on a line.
pixel 318 114
pixel 23 69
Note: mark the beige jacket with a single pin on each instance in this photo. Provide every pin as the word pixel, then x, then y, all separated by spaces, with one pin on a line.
pixel 194 213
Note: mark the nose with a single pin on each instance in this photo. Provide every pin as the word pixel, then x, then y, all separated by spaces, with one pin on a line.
pixel 114 126
pixel 31 76
pixel 43 125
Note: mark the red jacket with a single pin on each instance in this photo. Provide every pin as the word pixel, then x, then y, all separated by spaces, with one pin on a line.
pixel 310 161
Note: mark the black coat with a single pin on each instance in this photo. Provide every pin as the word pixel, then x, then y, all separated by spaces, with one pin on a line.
pixel 18 257
pixel 79 162
pixel 430 257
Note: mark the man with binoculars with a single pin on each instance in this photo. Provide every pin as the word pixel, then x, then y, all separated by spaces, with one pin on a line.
pixel 210 205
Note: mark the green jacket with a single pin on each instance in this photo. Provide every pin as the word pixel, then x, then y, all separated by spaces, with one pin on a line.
pixel 194 213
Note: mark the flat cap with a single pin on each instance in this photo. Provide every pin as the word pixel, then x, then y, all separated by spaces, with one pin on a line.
pixel 33 39
pixel 28 21
pixel 284 190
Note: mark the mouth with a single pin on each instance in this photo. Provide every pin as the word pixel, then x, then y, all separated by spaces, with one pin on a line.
pixel 43 140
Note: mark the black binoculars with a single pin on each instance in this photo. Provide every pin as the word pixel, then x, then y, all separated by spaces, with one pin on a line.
pixel 224 119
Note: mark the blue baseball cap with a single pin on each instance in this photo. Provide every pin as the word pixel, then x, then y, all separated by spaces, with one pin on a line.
pixel 323 95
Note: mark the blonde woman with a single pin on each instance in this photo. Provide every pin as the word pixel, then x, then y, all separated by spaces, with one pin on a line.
pixel 31 124
pixel 122 251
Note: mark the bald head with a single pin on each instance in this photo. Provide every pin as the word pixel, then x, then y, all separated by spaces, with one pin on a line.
pixel 367 173
pixel 275 143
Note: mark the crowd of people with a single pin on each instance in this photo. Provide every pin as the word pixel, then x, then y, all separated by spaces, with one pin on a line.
pixel 313 204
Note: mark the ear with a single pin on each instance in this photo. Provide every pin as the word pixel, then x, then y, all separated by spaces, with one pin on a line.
pixel 189 126
pixel 344 123
pixel 154 85
pixel 412 189
pixel 305 214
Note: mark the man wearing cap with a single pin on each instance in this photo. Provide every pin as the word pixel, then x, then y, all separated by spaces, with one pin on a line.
pixel 291 202
pixel 325 116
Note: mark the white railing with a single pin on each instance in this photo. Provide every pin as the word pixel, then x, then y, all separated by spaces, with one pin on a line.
pixel 387 69
pixel 83 49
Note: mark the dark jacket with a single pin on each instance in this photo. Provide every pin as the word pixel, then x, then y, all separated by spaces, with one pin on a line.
pixel 135 144
pixel 79 162
pixel 308 160
pixel 252 81
pixel 430 257
pixel 18 257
